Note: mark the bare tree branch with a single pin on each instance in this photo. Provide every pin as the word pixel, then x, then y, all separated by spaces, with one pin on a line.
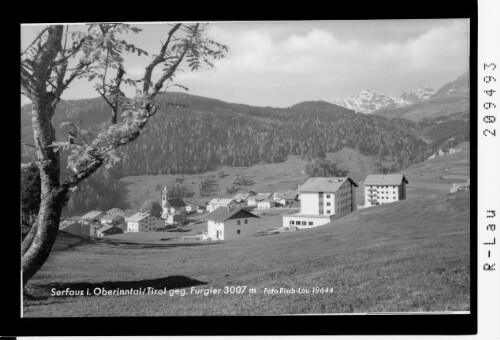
pixel 173 68
pixel 106 99
pixel 33 42
pixel 157 60
pixel 80 176
pixel 26 82
pixel 30 145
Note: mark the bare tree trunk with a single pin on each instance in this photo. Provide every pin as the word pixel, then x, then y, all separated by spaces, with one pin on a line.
pixel 46 233
pixel 53 196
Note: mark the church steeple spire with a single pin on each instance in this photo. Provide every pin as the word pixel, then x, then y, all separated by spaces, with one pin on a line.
pixel 164 198
pixel 164 202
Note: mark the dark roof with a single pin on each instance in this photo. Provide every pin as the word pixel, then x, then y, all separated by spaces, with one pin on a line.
pixel 221 214
pixel 176 202
pixel 108 228
pixel 385 179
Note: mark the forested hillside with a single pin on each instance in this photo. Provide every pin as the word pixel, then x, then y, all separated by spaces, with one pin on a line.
pixel 201 134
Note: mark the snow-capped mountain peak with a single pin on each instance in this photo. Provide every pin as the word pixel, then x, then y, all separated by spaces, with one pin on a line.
pixel 420 94
pixel 368 101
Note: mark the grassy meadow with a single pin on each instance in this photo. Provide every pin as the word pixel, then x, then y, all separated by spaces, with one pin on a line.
pixel 407 256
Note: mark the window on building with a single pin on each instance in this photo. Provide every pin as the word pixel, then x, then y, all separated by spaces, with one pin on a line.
pixel 310 223
pixel 298 222
pixel 328 211
pixel 327 196
pixel 292 222
pixel 328 203
pixel 238 222
pixel 246 221
pixel 238 231
pixel 303 222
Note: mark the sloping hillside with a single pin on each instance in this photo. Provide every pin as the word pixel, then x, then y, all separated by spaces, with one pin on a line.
pixel 219 183
pixel 451 99
pixel 407 256
pixel 357 165
pixel 202 135
pixel 195 138
pixel 438 174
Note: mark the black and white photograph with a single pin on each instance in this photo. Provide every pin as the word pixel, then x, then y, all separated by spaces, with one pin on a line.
pixel 246 168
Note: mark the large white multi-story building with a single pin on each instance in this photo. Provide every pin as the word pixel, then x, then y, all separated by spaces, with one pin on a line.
pixel 385 188
pixel 323 199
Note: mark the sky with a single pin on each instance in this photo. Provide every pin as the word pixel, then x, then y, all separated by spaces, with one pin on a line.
pixel 283 63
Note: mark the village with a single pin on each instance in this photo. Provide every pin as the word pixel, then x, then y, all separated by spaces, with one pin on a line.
pixel 318 201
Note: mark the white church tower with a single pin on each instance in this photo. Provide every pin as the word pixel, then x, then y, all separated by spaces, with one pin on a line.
pixel 164 203
pixel 174 209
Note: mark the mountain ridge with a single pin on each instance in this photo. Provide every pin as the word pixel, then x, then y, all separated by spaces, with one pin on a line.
pixel 452 99
pixel 369 101
pixel 372 102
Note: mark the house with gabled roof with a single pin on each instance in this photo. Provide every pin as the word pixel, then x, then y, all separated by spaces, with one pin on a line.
pixel 226 203
pixel 211 204
pixel 278 196
pixel 262 196
pixel 323 199
pixel 143 222
pixel 239 198
pixel 108 229
pixel 384 188
pixel 290 197
pixel 223 224
pixel 267 203
pixel 113 216
pixel 92 216
pixel 251 201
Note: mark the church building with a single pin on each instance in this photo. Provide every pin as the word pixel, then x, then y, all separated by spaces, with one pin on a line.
pixel 174 209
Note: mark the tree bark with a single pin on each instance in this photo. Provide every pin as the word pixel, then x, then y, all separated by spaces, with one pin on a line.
pixel 53 197
pixel 28 239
